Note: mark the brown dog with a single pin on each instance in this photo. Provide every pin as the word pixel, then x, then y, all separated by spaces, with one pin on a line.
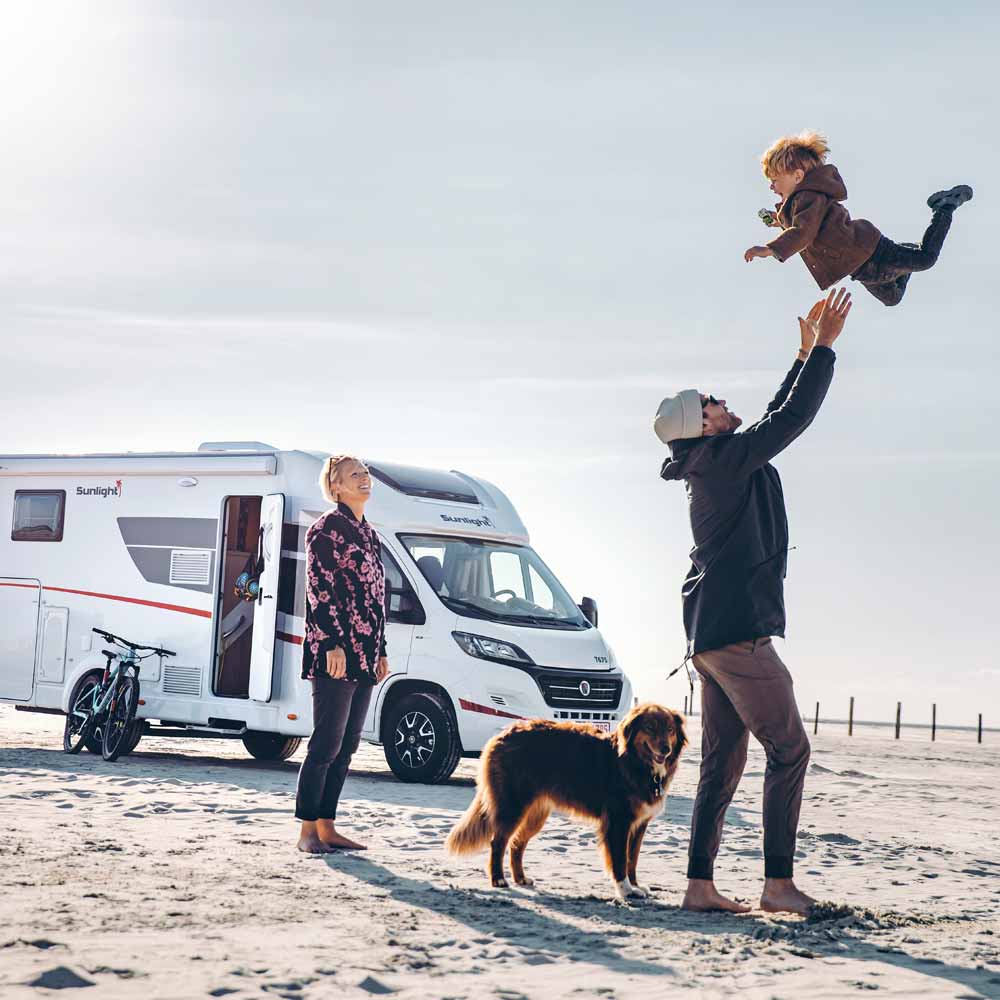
pixel 619 779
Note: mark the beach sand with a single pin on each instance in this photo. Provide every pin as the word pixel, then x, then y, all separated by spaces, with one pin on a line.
pixel 173 873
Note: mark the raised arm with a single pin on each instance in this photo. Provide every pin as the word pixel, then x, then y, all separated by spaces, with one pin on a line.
pixel 807 333
pixel 742 453
pixel 808 210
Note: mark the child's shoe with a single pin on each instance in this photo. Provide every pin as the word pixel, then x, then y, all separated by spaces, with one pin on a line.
pixel 951 198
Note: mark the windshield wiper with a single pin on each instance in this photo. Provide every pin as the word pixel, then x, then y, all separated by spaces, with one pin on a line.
pixel 499 616
pixel 539 620
pixel 465 605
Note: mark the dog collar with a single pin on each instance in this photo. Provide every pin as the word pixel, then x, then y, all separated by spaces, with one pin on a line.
pixel 657 786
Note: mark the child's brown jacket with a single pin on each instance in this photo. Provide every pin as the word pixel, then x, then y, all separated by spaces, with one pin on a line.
pixel 821 229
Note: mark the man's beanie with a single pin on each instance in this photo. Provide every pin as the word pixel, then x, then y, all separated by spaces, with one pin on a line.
pixel 679 416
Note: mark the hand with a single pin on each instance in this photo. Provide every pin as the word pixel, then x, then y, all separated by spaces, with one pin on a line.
pixel 382 669
pixel 832 318
pixel 808 327
pixel 757 252
pixel 336 663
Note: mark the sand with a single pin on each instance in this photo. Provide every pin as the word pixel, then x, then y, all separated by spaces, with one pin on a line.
pixel 173 873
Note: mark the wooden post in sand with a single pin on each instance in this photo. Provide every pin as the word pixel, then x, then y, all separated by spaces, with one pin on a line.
pixel 899 709
pixel 933 722
pixel 850 718
pixel 816 720
pixel 979 738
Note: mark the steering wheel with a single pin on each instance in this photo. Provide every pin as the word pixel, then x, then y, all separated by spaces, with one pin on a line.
pixel 506 590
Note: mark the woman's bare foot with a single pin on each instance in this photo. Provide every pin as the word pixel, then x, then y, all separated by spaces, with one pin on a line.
pixel 309 840
pixel 336 841
pixel 780 895
pixel 702 896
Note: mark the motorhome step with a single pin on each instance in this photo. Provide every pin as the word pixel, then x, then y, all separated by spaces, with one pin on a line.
pixel 191 732
pixel 40 711
pixel 238 724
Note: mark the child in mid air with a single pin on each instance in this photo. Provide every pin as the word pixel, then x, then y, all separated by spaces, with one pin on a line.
pixel 833 246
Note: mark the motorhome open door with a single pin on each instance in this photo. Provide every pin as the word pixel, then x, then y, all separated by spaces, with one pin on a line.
pixel 265 617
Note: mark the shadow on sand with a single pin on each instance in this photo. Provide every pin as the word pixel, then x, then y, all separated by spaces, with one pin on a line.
pixel 502 916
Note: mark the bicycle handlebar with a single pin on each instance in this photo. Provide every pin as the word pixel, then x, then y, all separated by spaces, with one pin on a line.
pixel 135 647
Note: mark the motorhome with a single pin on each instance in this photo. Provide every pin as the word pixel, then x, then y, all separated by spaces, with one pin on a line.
pixel 159 547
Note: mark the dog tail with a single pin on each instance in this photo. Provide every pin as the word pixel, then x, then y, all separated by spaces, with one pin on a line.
pixel 473 831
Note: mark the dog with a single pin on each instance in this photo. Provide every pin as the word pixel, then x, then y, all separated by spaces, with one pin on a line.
pixel 619 779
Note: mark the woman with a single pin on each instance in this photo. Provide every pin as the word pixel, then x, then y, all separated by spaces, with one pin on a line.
pixel 343 654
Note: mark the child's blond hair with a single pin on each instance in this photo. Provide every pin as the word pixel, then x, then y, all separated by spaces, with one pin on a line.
pixel 794 152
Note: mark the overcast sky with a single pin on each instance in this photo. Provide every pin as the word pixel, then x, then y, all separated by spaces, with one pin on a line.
pixel 492 237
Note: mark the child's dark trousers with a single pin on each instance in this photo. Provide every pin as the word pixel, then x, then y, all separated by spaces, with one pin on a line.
pixel 887 271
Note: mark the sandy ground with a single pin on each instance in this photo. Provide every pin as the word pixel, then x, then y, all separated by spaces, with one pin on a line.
pixel 172 873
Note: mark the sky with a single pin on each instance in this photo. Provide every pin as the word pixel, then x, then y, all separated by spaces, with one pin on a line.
pixel 492 238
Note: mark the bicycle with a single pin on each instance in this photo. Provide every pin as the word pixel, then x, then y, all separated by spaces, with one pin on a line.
pixel 107 706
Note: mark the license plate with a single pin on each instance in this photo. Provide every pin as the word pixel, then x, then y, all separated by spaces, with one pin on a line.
pixel 603 726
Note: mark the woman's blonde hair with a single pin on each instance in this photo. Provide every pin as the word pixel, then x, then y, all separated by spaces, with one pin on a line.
pixel 794 152
pixel 329 475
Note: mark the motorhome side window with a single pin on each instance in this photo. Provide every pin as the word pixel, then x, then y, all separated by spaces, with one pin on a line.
pixel 38 515
pixel 404 605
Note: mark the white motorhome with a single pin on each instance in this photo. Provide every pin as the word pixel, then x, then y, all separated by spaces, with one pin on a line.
pixel 150 546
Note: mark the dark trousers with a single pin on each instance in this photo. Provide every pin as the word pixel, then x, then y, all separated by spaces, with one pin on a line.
pixel 745 688
pixel 887 271
pixel 339 710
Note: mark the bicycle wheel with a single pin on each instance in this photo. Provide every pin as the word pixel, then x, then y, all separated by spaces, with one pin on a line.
pixel 80 717
pixel 121 715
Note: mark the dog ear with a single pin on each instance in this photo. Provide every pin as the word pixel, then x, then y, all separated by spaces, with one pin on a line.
pixel 626 730
pixel 682 739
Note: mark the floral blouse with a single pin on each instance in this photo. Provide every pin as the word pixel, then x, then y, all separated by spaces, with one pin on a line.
pixel 345 595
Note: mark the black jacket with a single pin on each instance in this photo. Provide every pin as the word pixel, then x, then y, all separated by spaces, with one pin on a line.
pixel 734 590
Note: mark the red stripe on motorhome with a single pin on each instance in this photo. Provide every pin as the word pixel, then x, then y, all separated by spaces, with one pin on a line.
pixel 296 640
pixel 134 600
pixel 471 706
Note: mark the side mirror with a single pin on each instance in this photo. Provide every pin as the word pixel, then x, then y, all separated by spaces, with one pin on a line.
pixel 589 608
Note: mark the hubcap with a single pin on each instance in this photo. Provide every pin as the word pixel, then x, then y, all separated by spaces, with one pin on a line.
pixel 415 739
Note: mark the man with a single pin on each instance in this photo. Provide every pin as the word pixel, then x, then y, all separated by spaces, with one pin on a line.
pixel 734 603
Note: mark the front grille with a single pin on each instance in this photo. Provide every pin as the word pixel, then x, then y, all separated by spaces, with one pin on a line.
pixel 565 690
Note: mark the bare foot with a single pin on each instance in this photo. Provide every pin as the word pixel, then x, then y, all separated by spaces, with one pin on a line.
pixel 327 832
pixel 311 844
pixel 781 896
pixel 702 896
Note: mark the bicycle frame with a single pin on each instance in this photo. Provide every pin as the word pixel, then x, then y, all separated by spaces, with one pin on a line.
pixel 109 682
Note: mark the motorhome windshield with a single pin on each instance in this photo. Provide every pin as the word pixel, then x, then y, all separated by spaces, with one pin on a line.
pixel 505 583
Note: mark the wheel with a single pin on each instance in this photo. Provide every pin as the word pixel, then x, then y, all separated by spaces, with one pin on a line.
pixel 270 746
pixel 79 728
pixel 121 716
pixel 136 734
pixel 420 739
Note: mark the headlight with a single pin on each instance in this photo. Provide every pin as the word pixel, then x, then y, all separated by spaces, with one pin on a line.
pixel 491 649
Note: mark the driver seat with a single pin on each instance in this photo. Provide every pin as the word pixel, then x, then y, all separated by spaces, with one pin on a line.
pixel 433 571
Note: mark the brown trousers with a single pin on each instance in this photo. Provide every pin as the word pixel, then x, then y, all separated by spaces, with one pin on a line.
pixel 747 689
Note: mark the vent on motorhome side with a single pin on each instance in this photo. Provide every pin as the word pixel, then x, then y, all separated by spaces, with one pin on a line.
pixel 193 566
pixel 181 680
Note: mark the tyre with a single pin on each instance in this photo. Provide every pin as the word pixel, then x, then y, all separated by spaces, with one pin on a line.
pixel 136 734
pixel 270 746
pixel 420 739
pixel 79 728
pixel 121 716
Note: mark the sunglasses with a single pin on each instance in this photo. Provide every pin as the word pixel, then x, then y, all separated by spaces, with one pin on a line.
pixel 710 400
